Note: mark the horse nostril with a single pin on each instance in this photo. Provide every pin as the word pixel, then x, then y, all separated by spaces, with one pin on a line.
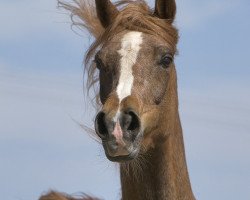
pixel 131 121
pixel 100 125
pixel 135 122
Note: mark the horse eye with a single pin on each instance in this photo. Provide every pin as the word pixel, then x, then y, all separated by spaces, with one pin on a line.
pixel 166 61
pixel 98 63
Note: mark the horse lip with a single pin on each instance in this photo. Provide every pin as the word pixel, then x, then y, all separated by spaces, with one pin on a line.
pixel 124 158
pixel 114 149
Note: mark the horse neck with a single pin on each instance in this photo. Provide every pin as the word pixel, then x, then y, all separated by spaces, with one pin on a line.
pixel 163 173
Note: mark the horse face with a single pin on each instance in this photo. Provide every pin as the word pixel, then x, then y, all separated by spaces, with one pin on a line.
pixel 134 70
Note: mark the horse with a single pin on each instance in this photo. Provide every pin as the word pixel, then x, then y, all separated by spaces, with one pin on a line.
pixel 131 62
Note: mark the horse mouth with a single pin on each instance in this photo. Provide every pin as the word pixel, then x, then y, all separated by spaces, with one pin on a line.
pixel 123 158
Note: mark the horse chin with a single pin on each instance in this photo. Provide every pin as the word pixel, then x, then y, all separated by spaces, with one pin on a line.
pixel 124 158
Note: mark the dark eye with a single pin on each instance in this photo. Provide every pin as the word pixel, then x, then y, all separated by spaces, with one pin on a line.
pixel 166 61
pixel 98 62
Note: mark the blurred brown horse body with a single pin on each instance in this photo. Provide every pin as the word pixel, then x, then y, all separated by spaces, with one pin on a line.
pixel 139 121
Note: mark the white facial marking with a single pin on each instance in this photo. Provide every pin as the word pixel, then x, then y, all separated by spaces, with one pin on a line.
pixel 130 48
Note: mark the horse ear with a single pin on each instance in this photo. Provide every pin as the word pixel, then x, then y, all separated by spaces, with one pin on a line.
pixel 165 9
pixel 106 12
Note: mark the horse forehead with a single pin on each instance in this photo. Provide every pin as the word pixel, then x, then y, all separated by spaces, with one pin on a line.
pixel 130 45
pixel 131 41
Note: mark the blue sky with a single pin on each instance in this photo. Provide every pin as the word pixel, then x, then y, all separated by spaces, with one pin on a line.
pixel 41 147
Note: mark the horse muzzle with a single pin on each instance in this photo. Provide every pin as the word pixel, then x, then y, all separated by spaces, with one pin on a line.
pixel 120 134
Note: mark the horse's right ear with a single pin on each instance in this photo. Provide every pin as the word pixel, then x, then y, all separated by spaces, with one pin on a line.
pixel 106 12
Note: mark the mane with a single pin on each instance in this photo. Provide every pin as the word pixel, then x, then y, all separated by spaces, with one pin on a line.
pixel 134 15
pixel 53 195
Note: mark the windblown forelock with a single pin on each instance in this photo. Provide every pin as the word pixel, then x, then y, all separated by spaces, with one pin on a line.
pixel 133 16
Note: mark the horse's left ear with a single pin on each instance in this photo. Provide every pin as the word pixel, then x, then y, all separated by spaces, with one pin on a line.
pixel 165 9
pixel 106 12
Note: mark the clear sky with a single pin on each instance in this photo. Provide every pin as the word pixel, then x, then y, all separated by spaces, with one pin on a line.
pixel 41 147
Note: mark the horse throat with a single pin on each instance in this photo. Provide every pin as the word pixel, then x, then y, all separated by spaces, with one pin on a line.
pixel 160 174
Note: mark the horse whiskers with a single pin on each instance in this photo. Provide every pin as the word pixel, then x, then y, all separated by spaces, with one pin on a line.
pixel 137 166
pixel 88 130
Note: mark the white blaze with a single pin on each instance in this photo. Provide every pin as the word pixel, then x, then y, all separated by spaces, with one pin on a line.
pixel 130 47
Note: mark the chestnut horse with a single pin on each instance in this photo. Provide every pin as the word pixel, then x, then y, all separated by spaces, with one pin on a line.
pixel 139 124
